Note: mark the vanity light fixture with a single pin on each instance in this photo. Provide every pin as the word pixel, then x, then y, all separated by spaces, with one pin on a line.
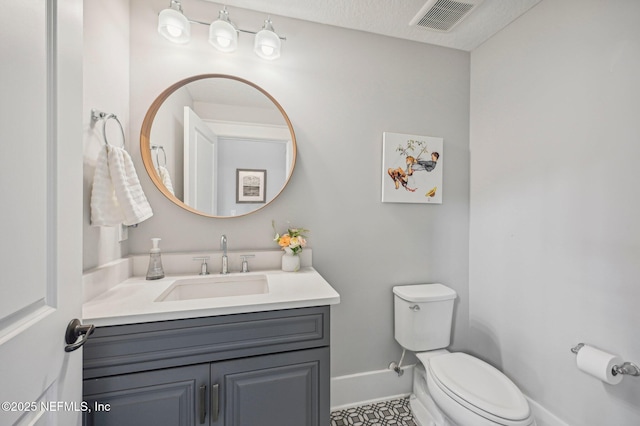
pixel 267 43
pixel 223 34
pixel 173 25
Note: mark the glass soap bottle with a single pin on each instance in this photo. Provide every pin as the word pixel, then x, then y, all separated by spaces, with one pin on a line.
pixel 155 271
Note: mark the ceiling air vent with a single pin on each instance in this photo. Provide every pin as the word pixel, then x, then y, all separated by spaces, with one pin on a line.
pixel 443 15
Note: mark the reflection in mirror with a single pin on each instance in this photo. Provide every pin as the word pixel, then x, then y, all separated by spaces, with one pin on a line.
pixel 218 145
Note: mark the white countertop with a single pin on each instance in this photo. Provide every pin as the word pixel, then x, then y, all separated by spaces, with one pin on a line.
pixel 133 300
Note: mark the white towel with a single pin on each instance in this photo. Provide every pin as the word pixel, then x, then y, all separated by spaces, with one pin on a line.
pixel 166 178
pixel 116 196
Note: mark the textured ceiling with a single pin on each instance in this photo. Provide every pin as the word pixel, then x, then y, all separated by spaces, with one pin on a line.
pixel 391 17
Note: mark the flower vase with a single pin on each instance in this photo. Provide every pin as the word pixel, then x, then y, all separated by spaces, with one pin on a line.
pixel 290 262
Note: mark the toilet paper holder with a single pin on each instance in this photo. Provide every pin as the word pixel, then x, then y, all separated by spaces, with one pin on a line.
pixel 627 368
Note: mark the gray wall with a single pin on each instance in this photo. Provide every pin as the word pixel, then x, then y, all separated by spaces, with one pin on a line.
pixel 341 90
pixel 106 88
pixel 234 154
pixel 554 247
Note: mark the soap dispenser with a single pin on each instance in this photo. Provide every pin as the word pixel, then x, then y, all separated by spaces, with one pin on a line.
pixel 155 271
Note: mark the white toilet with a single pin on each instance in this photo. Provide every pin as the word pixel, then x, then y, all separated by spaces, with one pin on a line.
pixel 451 388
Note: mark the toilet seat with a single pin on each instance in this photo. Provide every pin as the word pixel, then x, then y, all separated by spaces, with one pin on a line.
pixel 478 387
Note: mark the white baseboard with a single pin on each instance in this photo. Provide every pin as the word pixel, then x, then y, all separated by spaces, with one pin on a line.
pixel 543 416
pixel 369 387
pixel 374 386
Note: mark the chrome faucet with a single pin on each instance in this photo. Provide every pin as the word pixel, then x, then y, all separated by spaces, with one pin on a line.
pixel 225 259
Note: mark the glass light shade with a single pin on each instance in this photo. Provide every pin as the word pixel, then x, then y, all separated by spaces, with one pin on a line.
pixel 174 26
pixel 223 36
pixel 267 44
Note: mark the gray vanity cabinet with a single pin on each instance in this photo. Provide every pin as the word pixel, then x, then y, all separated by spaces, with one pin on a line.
pixel 272 390
pixel 255 369
pixel 168 397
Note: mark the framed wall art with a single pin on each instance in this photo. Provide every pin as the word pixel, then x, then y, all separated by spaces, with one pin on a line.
pixel 251 186
pixel 411 168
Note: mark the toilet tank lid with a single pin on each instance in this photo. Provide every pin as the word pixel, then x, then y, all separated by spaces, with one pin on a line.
pixel 424 292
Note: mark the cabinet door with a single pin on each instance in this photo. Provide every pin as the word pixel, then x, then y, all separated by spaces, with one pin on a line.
pixel 287 389
pixel 169 397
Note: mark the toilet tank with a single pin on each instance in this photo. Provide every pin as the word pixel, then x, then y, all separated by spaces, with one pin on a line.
pixel 423 314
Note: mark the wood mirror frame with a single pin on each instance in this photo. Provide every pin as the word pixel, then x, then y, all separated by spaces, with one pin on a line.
pixel 145 141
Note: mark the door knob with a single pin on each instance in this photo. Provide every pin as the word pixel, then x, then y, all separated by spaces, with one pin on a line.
pixel 77 334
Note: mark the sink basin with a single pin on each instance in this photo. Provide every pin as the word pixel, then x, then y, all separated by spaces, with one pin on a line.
pixel 215 286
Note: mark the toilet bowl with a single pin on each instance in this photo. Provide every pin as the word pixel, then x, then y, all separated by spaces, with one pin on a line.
pixel 470 392
pixel 451 388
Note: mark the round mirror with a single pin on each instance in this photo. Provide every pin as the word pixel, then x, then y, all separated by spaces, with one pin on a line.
pixel 218 145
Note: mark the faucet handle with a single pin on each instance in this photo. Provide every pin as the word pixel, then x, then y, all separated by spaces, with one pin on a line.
pixel 203 267
pixel 245 263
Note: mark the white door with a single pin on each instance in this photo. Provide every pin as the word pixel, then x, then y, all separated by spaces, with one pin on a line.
pixel 200 156
pixel 41 211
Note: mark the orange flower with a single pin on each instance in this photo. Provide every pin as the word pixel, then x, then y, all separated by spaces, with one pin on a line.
pixel 292 241
pixel 284 241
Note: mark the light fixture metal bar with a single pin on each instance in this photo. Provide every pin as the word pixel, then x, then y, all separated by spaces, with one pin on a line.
pixel 256 32
pixel 239 29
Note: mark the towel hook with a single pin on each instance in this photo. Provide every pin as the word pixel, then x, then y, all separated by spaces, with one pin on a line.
pixel 158 148
pixel 99 115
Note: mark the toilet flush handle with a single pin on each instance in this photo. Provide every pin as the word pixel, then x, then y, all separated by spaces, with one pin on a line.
pixel 414 308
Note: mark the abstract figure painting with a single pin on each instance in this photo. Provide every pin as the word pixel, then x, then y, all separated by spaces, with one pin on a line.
pixel 411 168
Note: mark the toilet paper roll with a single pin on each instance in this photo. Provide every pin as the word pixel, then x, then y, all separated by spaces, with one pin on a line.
pixel 599 364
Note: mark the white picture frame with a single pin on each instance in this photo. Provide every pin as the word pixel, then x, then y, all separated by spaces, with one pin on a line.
pixel 412 168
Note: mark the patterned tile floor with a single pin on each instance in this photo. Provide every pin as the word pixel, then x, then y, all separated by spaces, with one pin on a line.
pixel 395 412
